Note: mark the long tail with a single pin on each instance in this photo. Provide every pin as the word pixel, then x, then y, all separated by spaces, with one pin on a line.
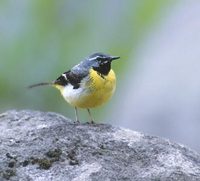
pixel 40 84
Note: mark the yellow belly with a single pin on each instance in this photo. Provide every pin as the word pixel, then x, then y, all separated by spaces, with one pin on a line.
pixel 97 91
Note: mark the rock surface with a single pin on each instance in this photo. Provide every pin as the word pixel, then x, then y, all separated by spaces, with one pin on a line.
pixel 46 146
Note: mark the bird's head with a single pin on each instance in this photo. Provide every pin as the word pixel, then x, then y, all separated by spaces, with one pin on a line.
pixel 101 62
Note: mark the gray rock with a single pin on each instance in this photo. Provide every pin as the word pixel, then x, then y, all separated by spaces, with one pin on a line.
pixel 46 146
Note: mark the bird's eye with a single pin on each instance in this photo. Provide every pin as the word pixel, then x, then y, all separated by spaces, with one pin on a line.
pixel 99 59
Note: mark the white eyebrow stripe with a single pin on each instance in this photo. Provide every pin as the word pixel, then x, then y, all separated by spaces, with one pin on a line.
pixel 94 58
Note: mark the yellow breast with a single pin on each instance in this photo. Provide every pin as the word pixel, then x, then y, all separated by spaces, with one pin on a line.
pixel 94 92
pixel 102 88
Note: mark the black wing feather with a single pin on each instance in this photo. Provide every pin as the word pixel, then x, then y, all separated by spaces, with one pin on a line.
pixel 75 75
pixel 69 77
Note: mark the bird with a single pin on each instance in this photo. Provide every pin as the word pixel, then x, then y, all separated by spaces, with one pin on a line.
pixel 88 84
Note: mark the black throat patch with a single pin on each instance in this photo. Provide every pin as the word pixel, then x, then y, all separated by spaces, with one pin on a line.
pixel 103 69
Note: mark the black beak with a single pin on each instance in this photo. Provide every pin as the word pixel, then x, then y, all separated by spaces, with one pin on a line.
pixel 114 58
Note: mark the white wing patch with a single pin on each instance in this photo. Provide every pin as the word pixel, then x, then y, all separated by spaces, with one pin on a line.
pixel 64 75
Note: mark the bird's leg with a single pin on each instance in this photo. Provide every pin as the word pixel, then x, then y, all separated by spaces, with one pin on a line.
pixel 91 119
pixel 76 114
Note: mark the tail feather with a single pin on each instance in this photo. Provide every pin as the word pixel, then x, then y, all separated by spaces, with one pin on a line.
pixel 40 84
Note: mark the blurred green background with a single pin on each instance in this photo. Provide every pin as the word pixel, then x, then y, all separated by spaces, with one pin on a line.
pixel 158 85
pixel 39 40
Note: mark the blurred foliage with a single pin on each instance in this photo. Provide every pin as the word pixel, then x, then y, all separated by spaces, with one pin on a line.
pixel 41 39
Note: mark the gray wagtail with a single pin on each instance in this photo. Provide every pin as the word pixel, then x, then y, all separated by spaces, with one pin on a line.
pixel 87 85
